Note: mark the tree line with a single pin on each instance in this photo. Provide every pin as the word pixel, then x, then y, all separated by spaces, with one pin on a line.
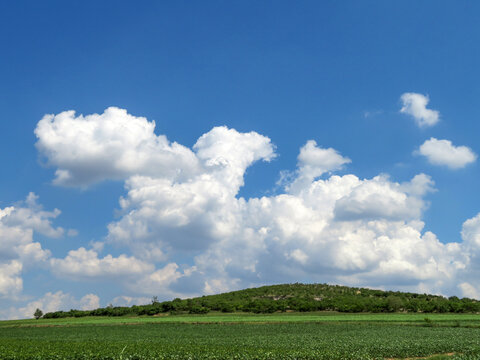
pixel 292 297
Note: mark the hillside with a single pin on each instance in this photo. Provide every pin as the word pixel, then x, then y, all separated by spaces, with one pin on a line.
pixel 293 297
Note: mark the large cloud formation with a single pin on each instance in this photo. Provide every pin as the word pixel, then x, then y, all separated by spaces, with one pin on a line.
pixel 189 232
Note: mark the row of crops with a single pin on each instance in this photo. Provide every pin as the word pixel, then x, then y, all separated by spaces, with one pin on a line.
pixel 238 341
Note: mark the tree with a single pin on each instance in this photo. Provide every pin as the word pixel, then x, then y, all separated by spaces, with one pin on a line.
pixel 38 314
pixel 395 303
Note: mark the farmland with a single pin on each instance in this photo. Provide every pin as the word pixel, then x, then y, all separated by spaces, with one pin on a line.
pixel 244 336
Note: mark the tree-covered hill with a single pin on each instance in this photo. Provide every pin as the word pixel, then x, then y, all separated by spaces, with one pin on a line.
pixel 293 297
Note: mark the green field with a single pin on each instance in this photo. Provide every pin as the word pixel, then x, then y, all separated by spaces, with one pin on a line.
pixel 244 336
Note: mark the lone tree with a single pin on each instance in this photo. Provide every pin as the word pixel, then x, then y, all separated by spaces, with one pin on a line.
pixel 38 314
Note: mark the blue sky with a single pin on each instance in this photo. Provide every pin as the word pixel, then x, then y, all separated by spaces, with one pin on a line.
pixel 238 88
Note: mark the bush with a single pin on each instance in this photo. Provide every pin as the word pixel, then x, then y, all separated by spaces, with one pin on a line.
pixel 195 309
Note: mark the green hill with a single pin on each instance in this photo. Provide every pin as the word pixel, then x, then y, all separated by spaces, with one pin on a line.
pixel 293 297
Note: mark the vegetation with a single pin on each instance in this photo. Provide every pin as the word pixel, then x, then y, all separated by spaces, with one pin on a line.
pixel 443 320
pixel 38 314
pixel 331 336
pixel 293 297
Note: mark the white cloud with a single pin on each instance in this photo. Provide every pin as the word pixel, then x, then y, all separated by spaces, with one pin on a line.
pixel 174 215
pixel 443 152
pixel 226 153
pixel 30 215
pixel 18 250
pixel 112 145
pixel 380 198
pixel 471 232
pixel 187 215
pixel 313 162
pixel 85 264
pixel 89 302
pixel 296 237
pixel 298 255
pixel 117 145
pixel 416 105
pixel 160 282
pixel 11 282
pixel 469 291
pixel 339 229
pixel 52 302
pixel 19 253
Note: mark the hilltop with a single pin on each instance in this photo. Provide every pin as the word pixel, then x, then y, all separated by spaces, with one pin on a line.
pixel 293 297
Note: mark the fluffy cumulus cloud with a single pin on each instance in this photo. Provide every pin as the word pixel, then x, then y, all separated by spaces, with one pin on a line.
pixel 381 198
pixel 341 229
pixel 188 215
pixel 471 232
pixel 444 153
pixel 415 105
pixel 314 161
pixel 112 145
pixel 189 232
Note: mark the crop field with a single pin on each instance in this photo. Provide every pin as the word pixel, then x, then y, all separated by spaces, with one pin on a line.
pixel 238 336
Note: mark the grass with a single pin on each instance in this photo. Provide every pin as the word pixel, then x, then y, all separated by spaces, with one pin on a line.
pixel 463 319
pixel 245 336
